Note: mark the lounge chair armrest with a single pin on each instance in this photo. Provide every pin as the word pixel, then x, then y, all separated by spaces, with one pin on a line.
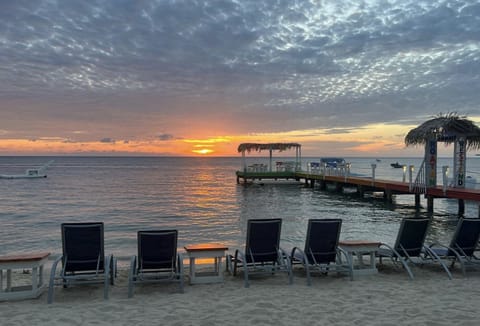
pixel 341 252
pixel 239 255
pixel 55 263
pixel 437 244
pixel 394 253
pixel 298 255
pixel 51 285
pixel 385 245
pixel 282 254
pixel 438 250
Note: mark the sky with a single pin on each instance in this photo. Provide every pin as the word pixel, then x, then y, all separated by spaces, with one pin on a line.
pixel 170 77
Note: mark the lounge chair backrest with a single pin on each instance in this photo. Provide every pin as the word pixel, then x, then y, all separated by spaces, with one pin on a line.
pixel 322 240
pixel 411 236
pixel 466 236
pixel 263 240
pixel 157 249
pixel 83 247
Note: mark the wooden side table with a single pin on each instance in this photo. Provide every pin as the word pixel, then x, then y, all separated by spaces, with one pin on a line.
pixel 210 251
pixel 33 262
pixel 359 248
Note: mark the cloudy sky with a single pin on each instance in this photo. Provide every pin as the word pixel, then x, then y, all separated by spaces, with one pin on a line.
pixel 171 77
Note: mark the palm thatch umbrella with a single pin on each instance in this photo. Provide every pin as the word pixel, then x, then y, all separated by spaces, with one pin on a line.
pixel 248 147
pixel 445 128
pixel 272 146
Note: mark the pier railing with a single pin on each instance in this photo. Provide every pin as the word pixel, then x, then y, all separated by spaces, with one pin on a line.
pixel 419 186
pixel 341 170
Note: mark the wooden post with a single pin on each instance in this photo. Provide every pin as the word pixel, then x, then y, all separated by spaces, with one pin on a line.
pixel 361 191
pixel 417 201
pixel 387 195
pixel 338 187
pixel 461 207
pixel 430 204
pixel 323 185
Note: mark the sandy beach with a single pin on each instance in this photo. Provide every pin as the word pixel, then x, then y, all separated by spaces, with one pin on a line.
pixel 388 298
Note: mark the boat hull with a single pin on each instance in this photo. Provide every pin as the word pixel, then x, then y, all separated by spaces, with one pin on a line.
pixel 22 176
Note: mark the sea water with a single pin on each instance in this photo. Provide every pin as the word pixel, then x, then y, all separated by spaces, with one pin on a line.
pixel 197 196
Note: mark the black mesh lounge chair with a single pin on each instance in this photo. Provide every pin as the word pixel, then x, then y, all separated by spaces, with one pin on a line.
pixel 157 259
pixel 321 252
pixel 462 246
pixel 83 259
pixel 409 247
pixel 262 251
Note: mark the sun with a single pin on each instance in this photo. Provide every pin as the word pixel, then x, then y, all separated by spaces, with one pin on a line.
pixel 203 151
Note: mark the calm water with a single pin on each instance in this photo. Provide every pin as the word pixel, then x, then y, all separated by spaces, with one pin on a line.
pixel 197 196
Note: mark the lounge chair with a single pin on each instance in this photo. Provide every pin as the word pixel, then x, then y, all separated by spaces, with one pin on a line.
pixel 262 254
pixel 462 246
pixel 157 259
pixel 321 252
pixel 83 259
pixel 409 247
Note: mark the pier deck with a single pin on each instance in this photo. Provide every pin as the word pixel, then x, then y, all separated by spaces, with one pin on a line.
pixel 366 184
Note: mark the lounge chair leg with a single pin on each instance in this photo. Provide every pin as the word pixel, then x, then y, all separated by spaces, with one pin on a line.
pixel 307 270
pixel 132 276
pixel 113 270
pixel 464 272
pixel 180 271
pixel 130 288
pixel 405 265
pixel 106 281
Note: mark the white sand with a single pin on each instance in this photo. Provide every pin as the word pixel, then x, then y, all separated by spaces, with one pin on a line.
pixel 388 298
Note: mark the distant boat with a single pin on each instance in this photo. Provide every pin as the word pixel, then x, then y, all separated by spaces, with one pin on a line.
pixel 378 160
pixel 397 165
pixel 29 173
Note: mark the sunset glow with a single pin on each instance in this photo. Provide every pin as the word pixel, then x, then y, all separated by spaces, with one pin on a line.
pixel 368 140
pixel 203 151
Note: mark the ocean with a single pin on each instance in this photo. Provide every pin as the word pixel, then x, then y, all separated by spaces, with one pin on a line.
pixel 199 197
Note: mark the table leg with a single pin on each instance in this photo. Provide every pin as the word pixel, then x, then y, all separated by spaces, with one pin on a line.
pixel 34 279
pixel 192 269
pixel 219 267
pixel 9 280
pixel 359 259
pixel 350 256
pixel 40 275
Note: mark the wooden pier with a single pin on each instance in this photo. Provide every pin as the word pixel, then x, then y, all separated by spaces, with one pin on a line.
pixel 366 184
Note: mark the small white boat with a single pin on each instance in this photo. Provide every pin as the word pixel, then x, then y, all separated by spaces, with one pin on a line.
pixel 29 173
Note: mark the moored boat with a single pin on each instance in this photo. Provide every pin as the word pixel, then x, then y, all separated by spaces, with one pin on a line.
pixel 397 165
pixel 29 173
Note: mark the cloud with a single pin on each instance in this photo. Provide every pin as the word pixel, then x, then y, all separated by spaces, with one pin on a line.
pixel 133 67
pixel 107 140
pixel 165 137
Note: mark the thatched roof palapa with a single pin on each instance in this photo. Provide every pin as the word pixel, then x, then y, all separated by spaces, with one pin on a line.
pixel 248 147
pixel 445 128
